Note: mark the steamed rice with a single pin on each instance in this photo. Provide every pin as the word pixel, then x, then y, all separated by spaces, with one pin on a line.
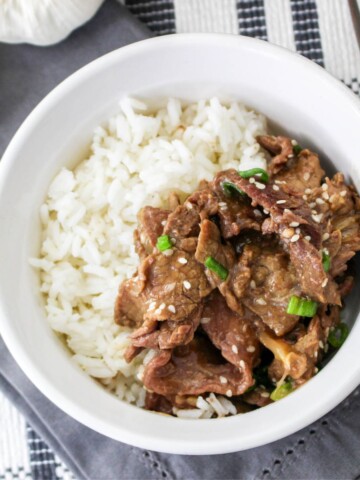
pixel 89 215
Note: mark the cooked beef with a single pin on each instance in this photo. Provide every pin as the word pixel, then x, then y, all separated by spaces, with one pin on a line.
pixel 280 146
pixel 273 280
pixel 158 403
pixel 194 369
pixel 226 331
pixel 169 334
pixel 233 334
pixel 151 222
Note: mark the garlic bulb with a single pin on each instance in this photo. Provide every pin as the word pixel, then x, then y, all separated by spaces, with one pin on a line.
pixel 43 22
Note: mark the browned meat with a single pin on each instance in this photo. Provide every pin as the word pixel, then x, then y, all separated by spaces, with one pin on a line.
pixel 210 245
pixel 183 222
pixel 304 247
pixel 233 334
pixel 170 333
pixel 158 403
pixel 301 173
pixel 273 282
pixel 151 222
pixel 280 146
pixel 192 370
pixel 259 397
pixel 166 288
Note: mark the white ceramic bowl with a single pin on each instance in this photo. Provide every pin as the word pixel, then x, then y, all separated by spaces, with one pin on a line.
pixel 299 98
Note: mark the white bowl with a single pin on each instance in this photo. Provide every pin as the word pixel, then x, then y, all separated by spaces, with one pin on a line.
pixel 298 96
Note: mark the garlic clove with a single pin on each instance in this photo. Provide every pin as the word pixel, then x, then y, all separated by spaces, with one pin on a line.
pixel 43 22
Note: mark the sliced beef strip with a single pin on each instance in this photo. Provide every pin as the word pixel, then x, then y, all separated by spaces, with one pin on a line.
pixel 160 290
pixel 301 173
pixel 304 254
pixel 169 334
pixel 259 397
pixel 151 222
pixel 231 333
pixel 279 146
pixel 273 282
pixel 193 370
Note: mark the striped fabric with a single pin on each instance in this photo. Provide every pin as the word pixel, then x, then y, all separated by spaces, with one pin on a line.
pixel 321 30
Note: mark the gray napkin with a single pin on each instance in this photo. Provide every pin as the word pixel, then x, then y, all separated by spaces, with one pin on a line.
pixel 329 449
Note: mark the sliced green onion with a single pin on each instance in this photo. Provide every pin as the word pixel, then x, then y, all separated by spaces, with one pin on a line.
pixel 230 188
pixel 255 172
pixel 301 306
pixel 338 336
pixel 326 261
pixel 163 243
pixel 281 391
pixel 217 268
pixel 297 149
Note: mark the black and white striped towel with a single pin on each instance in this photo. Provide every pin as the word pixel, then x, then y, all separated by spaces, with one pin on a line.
pixel 321 30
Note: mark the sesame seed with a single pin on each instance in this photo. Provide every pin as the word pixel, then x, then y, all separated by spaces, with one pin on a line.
pixel 326 236
pixel 222 204
pixel 205 320
pixel 312 204
pixel 305 197
pixel 286 210
pixel 308 191
pixel 152 305
pixel 315 354
pixel 294 238
pixel 324 186
pixel 325 196
pixel 332 198
pixel 223 379
pixel 297 230
pixel 317 218
pixel 279 202
pixel 324 283
pixel 188 205
pixel 321 345
pixel 257 213
pixel 250 349
pixel 276 188
pixel 162 306
pixel 251 180
pixel 266 211
pixel 228 393
pixel 163 223
pixel 265 394
pixel 278 182
pixel 288 232
pixel 308 238
pixel 252 284
pixel 242 364
pixel 319 201
pixel 260 186
pixel 187 284
pixel 168 252
pixel 293 142
pixel 291 155
pixel 234 348
pixel 260 301
pixel 306 176
pixel 171 309
pixel 314 212
pixel 182 260
pixel 343 193
pixel 316 370
pixel 326 251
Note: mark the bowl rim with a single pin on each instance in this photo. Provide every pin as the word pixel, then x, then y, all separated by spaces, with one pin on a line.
pixel 166 442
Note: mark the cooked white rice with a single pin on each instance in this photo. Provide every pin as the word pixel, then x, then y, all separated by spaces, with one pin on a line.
pixel 89 216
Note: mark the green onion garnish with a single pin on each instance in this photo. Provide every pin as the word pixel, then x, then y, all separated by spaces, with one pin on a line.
pixel 326 261
pixel 230 188
pixel 255 172
pixel 216 267
pixel 297 149
pixel 281 391
pixel 338 335
pixel 301 306
pixel 163 243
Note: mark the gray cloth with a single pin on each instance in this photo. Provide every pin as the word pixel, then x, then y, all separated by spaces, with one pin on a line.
pixel 329 449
